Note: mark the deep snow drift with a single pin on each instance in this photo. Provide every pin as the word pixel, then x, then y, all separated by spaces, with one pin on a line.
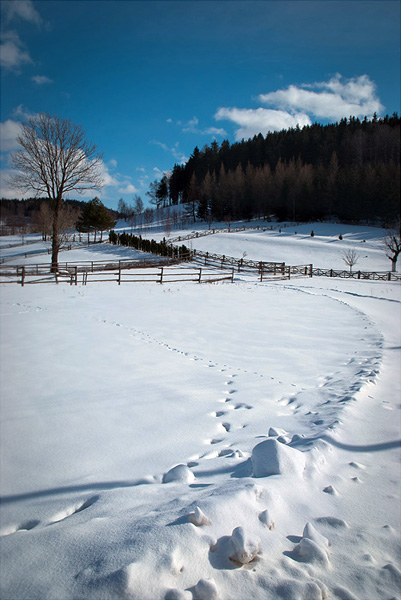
pixel 184 441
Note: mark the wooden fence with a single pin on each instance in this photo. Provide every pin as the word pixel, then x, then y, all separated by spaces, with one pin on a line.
pixel 287 272
pixel 374 276
pixel 86 266
pixel 163 274
pixel 240 264
pixel 265 271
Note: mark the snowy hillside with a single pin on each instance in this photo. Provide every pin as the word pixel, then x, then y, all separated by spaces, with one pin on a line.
pixel 184 441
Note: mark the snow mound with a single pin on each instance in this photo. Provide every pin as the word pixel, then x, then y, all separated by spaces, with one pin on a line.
pixel 205 589
pixel 276 432
pixel 272 458
pixel 311 533
pixel 245 547
pixel 265 518
pixel 180 473
pixel 198 517
pixel 309 552
pixel 175 594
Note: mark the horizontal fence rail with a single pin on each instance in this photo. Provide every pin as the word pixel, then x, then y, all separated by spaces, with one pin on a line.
pixel 90 266
pixel 240 264
pixel 161 274
pixel 288 272
pixel 373 276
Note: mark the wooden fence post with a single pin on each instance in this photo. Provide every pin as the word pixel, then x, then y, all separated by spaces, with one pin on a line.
pixel 232 276
pixel 23 276
pixel 76 275
pixel 161 275
pixel 200 275
pixel 311 271
pixel 119 273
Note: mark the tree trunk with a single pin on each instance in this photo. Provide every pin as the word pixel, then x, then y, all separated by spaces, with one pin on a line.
pixel 56 235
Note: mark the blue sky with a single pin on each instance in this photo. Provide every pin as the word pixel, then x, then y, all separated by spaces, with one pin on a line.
pixel 150 80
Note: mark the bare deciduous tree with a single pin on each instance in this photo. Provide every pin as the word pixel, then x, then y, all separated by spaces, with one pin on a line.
pixel 138 204
pixel 55 158
pixel 43 221
pixel 392 242
pixel 350 257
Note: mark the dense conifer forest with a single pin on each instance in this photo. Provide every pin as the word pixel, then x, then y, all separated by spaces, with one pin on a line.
pixel 348 170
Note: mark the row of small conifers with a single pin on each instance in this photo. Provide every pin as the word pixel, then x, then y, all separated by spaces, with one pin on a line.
pixel 151 246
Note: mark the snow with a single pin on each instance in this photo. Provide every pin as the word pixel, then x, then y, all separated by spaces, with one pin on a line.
pixel 295 246
pixel 184 441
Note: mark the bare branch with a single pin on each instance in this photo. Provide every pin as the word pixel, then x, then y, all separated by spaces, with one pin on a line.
pixel 392 243
pixel 55 158
pixel 350 257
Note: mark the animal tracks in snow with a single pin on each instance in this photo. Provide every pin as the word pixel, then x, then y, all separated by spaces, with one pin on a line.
pixel 31 524
pixel 74 509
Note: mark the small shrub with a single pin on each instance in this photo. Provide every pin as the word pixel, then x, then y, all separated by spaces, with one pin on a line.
pixel 340 237
pixel 312 233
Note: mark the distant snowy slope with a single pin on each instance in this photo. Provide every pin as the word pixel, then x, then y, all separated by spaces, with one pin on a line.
pixel 294 246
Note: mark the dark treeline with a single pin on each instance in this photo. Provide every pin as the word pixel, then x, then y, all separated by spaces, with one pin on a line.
pixel 146 245
pixel 25 208
pixel 349 170
pixel 35 214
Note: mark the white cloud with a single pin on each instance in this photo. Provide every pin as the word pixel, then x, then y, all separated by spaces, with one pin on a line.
pixel 9 130
pixel 260 120
pixel 191 127
pixel 113 163
pixel 334 99
pixel 299 105
pixel 6 190
pixel 12 53
pixel 41 79
pixel 108 178
pixel 128 189
pixel 22 9
pixel 174 150
pixel 160 144
pixel 214 131
pixel 22 112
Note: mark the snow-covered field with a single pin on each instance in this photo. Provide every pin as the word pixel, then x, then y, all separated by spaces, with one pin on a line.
pixel 280 401
pixel 294 245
